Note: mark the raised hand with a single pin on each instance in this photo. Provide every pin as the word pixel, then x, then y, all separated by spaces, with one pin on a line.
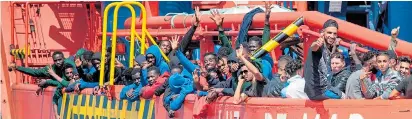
pixel 353 48
pixel 268 8
pixel 175 42
pixel 196 75
pixel 197 15
pixel 50 70
pixel 395 32
pixel 239 52
pixel 78 62
pixel 216 17
pixel 12 66
pixel 130 93
pixel 364 75
pixel 320 41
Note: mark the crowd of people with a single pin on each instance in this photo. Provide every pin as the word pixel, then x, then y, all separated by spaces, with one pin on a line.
pixel 326 73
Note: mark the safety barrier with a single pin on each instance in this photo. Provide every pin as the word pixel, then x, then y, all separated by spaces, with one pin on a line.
pixel 83 106
pixel 29 106
pixel 132 37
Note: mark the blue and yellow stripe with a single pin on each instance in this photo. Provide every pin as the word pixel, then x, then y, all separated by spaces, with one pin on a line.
pixel 73 106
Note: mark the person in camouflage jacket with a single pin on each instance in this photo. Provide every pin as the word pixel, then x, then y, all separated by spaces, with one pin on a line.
pixel 382 86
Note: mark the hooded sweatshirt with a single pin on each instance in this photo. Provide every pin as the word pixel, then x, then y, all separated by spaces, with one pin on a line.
pixel 180 85
pixel 160 63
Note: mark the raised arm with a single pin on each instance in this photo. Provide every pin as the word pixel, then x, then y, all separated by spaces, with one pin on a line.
pixel 249 65
pixel 353 54
pixel 266 28
pixel 29 71
pixel 394 42
pixel 189 66
pixel 218 19
pixel 189 34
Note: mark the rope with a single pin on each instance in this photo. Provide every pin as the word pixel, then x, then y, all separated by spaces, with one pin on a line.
pixel 173 17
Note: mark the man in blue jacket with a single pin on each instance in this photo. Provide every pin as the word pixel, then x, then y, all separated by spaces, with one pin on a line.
pixel 154 58
pixel 133 84
pixel 180 86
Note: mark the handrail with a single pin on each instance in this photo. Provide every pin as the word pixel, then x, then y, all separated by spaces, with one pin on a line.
pixel 114 37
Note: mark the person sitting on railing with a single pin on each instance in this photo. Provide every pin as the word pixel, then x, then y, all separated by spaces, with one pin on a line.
pixel 133 84
pixel 340 72
pixel 180 87
pixel 318 72
pixel 273 87
pixel 250 79
pixel 403 65
pixel 155 80
pixel 353 85
pixel 294 87
pixel 58 67
pixel 383 85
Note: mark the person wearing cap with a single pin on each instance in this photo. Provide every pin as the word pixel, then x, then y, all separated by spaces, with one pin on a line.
pixel 180 87
pixel 383 85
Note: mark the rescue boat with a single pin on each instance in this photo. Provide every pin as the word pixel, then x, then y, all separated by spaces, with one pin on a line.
pixel 32 30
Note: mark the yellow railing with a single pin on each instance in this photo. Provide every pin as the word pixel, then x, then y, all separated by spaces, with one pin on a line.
pixel 141 39
pixel 114 37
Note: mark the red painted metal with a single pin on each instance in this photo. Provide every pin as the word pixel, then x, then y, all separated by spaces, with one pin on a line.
pixel 6 97
pixel 171 32
pixel 313 19
pixel 223 107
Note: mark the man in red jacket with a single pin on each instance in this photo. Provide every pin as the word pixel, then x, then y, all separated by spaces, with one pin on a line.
pixel 155 80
